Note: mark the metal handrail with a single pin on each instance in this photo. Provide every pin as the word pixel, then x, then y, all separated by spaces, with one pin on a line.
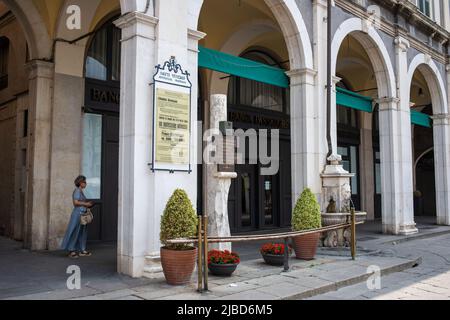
pixel 273 236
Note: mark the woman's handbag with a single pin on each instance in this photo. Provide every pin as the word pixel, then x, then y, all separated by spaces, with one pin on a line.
pixel 86 218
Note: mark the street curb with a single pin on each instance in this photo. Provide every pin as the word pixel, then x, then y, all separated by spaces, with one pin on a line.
pixel 356 280
pixel 419 236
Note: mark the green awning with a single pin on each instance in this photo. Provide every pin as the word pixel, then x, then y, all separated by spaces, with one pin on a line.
pixel 353 100
pixel 240 67
pixel 420 119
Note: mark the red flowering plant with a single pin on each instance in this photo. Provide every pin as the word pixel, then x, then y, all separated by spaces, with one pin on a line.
pixel 223 257
pixel 276 249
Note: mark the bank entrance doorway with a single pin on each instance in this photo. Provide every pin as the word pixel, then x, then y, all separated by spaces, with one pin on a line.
pixel 260 202
pixel 100 162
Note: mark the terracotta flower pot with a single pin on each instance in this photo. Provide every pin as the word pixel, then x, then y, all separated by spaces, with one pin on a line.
pixel 305 246
pixel 178 265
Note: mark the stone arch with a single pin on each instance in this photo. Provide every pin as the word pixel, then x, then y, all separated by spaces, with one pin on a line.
pixel 293 27
pixel 69 57
pixel 441 130
pixel 434 80
pixel 371 41
pixel 34 28
pixel 235 45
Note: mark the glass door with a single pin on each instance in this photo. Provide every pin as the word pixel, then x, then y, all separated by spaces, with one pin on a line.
pixel 350 162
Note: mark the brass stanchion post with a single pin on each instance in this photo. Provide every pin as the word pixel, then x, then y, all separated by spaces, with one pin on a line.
pixel 200 253
pixel 353 245
pixel 205 248
pixel 286 255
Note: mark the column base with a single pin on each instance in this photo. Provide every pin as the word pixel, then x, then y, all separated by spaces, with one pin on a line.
pixel 443 221
pixel 153 268
pixel 130 266
pixel 403 230
pixel 408 229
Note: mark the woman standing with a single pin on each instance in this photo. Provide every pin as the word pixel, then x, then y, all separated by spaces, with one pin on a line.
pixel 76 234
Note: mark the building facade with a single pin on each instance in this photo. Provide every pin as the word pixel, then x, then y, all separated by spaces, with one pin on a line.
pixel 76 97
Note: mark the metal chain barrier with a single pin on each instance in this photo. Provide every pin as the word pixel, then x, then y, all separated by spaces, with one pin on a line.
pixel 202 241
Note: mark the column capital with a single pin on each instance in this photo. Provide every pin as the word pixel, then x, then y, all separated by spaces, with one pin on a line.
pixel 388 103
pixel 402 43
pixel 137 24
pixel 196 35
pixel 302 76
pixel 131 18
pixel 321 3
pixel 441 119
pixel 335 80
pixel 40 69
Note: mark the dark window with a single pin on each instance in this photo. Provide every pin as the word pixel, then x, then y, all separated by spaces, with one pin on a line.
pixel 425 7
pixel 103 58
pixel 256 94
pixel 4 55
pixel 25 123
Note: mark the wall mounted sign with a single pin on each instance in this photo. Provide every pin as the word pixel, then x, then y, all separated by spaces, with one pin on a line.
pixel 171 118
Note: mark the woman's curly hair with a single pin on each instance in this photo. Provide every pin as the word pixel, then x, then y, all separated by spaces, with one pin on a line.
pixel 79 180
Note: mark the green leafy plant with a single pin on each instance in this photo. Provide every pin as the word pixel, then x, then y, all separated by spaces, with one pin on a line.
pixel 179 220
pixel 306 215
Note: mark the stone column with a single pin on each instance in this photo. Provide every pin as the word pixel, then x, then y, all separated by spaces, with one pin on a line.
pixel 320 40
pixel 396 152
pixel 305 134
pixel 138 195
pixel 441 129
pixel 41 75
pixel 396 168
pixel 218 182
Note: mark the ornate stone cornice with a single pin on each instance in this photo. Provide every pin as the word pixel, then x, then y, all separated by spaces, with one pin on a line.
pixel 393 30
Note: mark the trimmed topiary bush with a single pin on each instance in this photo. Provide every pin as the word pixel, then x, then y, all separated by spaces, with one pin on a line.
pixel 179 220
pixel 306 215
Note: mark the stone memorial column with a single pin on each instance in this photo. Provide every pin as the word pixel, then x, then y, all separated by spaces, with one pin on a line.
pixel 218 183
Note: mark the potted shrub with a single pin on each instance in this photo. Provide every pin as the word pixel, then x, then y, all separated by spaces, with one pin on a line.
pixel 273 253
pixel 178 221
pixel 306 216
pixel 222 263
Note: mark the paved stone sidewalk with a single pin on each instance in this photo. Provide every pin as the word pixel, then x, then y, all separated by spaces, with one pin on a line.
pixel 429 281
pixel 253 280
pixel 42 275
